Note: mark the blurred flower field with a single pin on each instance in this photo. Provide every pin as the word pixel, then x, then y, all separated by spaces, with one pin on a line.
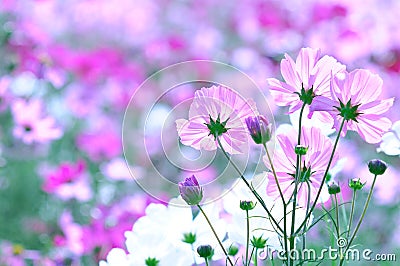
pixel 80 119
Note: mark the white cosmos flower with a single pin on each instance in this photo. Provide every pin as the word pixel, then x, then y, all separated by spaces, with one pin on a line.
pixel 159 235
pixel 116 257
pixel 391 141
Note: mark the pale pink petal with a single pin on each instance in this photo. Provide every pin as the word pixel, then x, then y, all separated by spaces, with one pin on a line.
pixel 288 70
pixel 372 127
pixel 376 107
pixel 233 141
pixel 282 93
pixel 323 71
pixel 295 107
pixel 305 62
pixel 194 133
pixel 321 103
pixel 365 86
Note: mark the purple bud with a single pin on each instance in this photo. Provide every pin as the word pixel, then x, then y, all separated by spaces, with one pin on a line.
pixel 191 191
pixel 259 128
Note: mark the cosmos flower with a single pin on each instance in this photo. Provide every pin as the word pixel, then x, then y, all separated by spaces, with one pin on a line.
pixel 391 140
pixel 217 112
pixel 304 79
pixel 116 257
pixel 160 234
pixel 31 125
pixel 68 181
pixel 313 165
pixel 354 97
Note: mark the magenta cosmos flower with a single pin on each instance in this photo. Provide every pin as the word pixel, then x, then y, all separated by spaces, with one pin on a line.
pixel 313 165
pixel 217 112
pixel 307 77
pixel 353 97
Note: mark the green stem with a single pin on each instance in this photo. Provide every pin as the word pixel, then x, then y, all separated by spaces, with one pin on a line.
pixel 247 262
pixel 300 122
pixel 206 261
pixel 292 233
pixel 215 234
pixel 274 173
pixel 281 195
pixel 250 187
pixel 297 178
pixel 337 216
pixel 361 219
pixel 255 258
pixel 353 200
pixel 307 209
pixel 325 175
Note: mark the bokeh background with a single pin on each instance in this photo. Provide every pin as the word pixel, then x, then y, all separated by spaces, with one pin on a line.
pixel 69 68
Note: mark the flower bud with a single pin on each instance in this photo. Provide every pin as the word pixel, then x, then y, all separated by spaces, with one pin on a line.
pixel 189 238
pixel 377 167
pixel 233 250
pixel 356 184
pixel 300 150
pixel 333 188
pixel 151 262
pixel 205 251
pixel 247 205
pixel 259 128
pixel 258 242
pixel 191 191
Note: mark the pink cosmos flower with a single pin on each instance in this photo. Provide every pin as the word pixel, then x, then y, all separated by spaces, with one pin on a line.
pixel 305 78
pixel 106 228
pixel 216 112
pixel 313 164
pixel 69 181
pixel 99 144
pixel 31 125
pixel 73 234
pixel 354 97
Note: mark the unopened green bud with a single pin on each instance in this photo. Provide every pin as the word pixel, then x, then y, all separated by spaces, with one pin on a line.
pixel 333 188
pixel 377 167
pixel 151 262
pixel 258 242
pixel 205 251
pixel 301 150
pixel 233 250
pixel 356 184
pixel 247 205
pixel 189 238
